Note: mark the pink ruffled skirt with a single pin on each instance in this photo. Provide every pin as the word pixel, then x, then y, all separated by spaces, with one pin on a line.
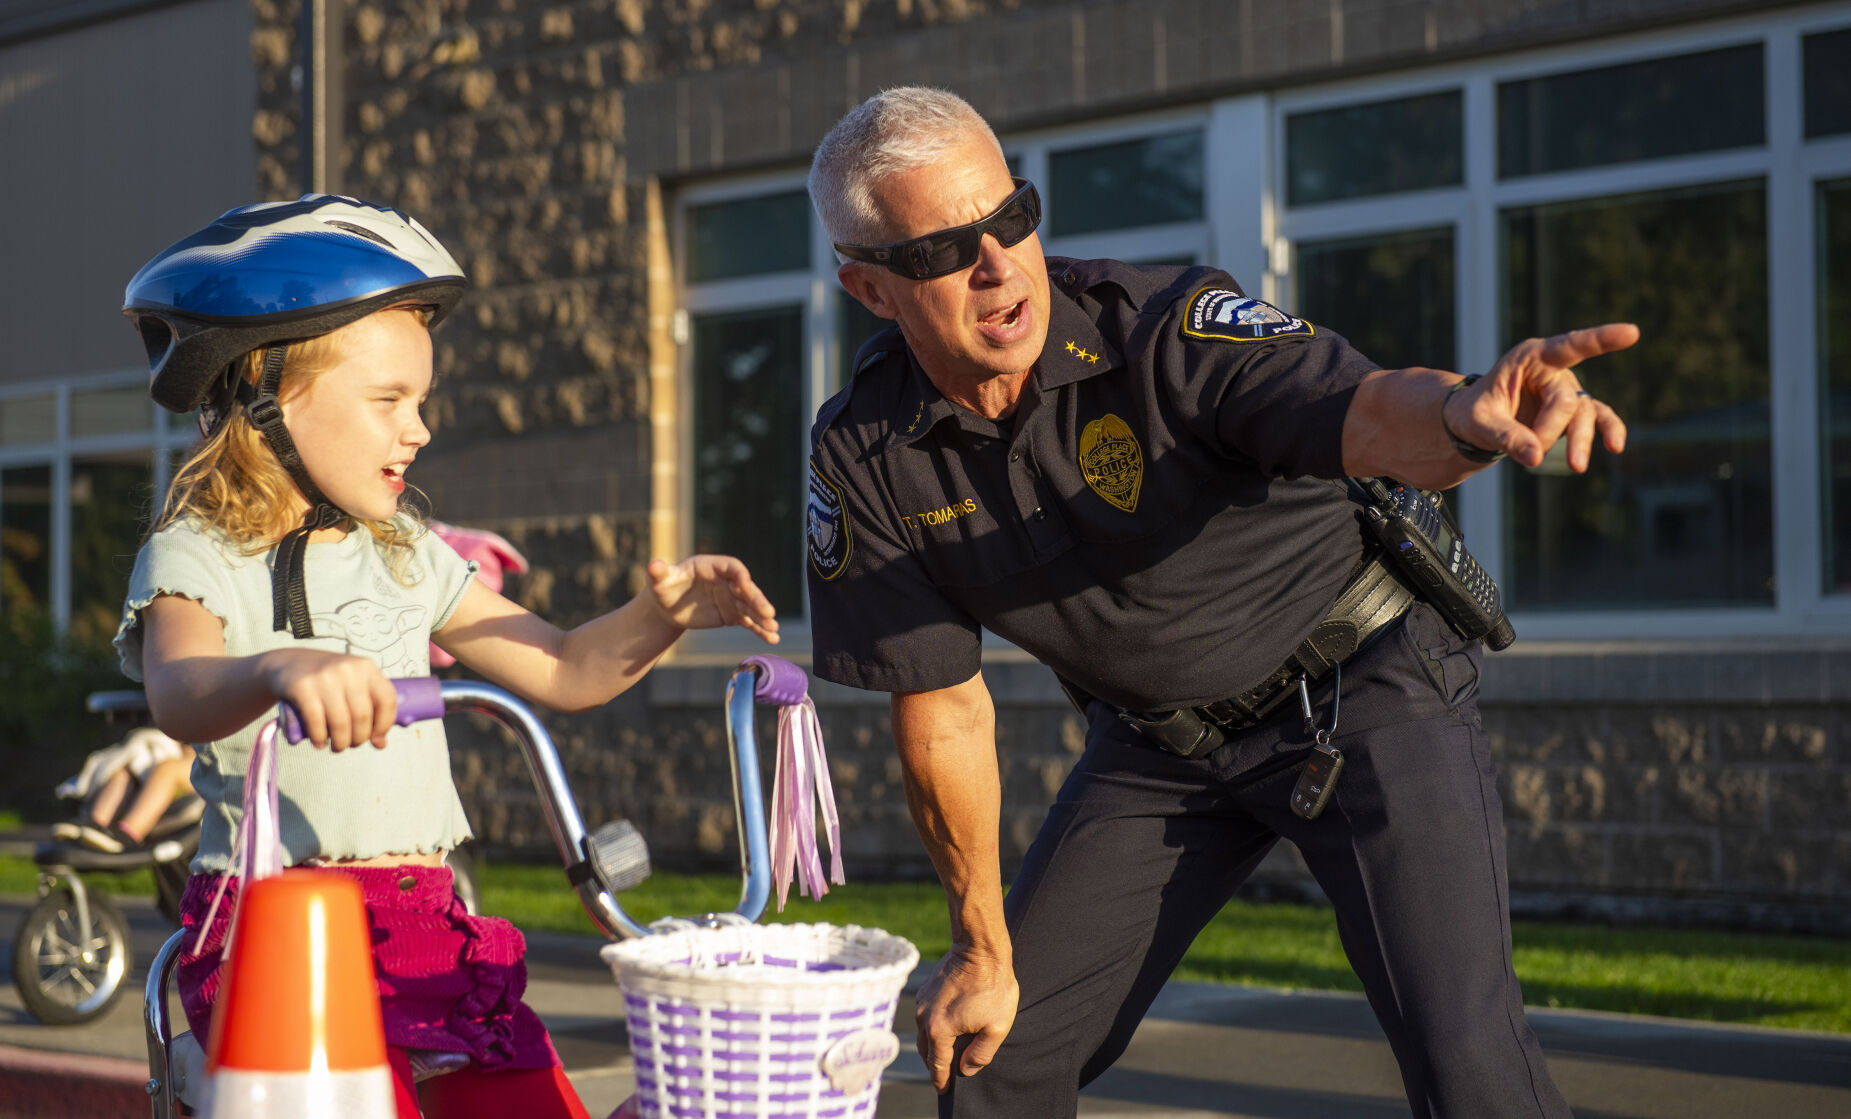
pixel 447 981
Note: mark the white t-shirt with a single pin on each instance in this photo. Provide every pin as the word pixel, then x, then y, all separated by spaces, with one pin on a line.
pixel 360 803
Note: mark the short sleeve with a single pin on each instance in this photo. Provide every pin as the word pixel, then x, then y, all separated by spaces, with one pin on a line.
pixel 877 620
pixel 177 560
pixel 449 573
pixel 1263 384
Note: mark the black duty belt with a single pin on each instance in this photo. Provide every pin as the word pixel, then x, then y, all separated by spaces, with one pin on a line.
pixel 1373 598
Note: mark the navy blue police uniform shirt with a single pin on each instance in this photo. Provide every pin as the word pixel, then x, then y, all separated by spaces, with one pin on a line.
pixel 1160 521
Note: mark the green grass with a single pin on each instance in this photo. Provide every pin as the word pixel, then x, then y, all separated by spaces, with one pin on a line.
pixel 1750 979
pixel 1795 982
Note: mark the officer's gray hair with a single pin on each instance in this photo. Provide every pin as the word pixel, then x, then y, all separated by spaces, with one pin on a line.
pixel 894 131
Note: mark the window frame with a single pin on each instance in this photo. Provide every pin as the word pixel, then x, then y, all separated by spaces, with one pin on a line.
pixel 165 435
pixel 1787 164
pixel 811 288
pixel 1248 230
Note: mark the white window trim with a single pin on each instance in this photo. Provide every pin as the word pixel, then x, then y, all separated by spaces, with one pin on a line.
pixel 1788 166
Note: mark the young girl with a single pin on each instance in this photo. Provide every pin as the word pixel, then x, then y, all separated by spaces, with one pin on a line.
pixel 284 567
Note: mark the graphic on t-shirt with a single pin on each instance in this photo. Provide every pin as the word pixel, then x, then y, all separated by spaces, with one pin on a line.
pixel 389 635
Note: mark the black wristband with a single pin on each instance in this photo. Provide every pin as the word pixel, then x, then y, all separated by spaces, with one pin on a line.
pixel 1466 450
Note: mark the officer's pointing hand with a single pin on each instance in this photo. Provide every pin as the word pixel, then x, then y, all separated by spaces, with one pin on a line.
pixel 968 994
pixel 1532 397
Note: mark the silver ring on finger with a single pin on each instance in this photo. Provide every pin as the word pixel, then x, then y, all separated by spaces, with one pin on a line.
pixel 1585 394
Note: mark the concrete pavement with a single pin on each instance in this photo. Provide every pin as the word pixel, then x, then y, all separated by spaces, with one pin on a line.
pixel 1205 1052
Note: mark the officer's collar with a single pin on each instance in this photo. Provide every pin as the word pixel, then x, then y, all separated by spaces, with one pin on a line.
pixel 1074 351
pixel 921 405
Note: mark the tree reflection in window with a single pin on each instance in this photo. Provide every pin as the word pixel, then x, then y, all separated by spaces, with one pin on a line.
pixel 25 539
pixel 1684 517
pixel 111 499
pixel 749 443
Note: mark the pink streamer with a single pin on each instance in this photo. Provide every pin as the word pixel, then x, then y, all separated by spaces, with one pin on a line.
pixel 257 849
pixel 800 786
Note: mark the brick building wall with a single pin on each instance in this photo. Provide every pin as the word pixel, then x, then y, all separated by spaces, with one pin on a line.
pixel 536 140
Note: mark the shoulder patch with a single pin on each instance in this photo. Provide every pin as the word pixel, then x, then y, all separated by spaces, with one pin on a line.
pixel 1229 316
pixel 830 544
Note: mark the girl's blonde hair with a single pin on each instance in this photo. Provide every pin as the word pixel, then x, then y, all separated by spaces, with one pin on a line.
pixel 233 482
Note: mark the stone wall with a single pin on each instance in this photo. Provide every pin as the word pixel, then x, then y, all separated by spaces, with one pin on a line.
pixel 1719 776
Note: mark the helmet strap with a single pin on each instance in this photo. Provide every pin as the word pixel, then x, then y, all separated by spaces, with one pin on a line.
pixel 288 596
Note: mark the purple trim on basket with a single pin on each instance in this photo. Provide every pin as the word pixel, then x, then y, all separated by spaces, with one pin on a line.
pixel 746 1097
pixel 728 1035
pixel 749 1077
pixel 706 1114
pixel 699 1074
pixel 743 1056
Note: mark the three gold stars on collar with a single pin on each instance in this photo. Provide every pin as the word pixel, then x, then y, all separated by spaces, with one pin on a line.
pixel 1081 353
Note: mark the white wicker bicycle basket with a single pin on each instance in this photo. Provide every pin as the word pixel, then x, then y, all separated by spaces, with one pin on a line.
pixel 761 1021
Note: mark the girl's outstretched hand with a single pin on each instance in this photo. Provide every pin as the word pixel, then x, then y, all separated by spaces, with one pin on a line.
pixel 343 700
pixel 705 592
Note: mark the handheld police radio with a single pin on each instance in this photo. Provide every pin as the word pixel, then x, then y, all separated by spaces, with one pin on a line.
pixel 1418 536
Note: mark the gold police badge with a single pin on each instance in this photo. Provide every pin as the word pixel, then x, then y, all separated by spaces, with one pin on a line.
pixel 1112 462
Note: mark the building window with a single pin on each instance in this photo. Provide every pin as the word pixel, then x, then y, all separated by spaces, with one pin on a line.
pixel 1827 93
pixel 25 539
pixel 748 414
pixel 111 508
pixel 1682 105
pixel 1392 294
pixel 1684 517
pixel 1382 147
pixel 1153 180
pixel 749 237
pixel 81 463
pixel 1832 217
pixel 1647 185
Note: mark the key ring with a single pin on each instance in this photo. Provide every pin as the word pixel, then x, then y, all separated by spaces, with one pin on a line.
pixel 1321 735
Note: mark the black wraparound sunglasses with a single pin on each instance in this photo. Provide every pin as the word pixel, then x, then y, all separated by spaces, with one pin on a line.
pixel 955 249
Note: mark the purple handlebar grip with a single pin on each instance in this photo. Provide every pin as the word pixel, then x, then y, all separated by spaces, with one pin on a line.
pixel 419 698
pixel 780 683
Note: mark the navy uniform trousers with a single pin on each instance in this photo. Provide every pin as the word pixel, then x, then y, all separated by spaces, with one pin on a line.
pixel 1141 849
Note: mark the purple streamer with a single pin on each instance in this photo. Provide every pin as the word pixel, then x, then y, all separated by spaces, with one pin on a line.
pixel 799 790
pixel 257 849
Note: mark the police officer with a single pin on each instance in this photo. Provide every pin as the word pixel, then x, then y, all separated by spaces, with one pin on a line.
pixel 1136 474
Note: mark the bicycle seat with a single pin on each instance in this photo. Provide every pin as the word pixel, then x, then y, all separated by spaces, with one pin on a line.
pixel 186 1066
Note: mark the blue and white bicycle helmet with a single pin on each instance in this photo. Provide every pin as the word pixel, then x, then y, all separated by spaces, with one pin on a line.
pixel 259 278
pixel 274 272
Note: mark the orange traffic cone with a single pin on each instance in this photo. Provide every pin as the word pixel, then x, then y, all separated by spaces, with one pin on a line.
pixel 296 1033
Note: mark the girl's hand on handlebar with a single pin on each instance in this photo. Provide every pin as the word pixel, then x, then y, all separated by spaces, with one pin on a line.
pixel 704 592
pixel 343 700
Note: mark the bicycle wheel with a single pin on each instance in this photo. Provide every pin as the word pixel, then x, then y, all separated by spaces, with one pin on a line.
pixel 64 976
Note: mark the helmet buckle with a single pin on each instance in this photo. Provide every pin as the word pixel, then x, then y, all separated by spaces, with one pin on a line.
pixel 264 410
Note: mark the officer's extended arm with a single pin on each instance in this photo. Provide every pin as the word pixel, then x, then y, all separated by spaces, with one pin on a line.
pixel 1528 400
pixel 947 742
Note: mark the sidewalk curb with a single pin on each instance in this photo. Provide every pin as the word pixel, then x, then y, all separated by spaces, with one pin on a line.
pixel 42 1082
